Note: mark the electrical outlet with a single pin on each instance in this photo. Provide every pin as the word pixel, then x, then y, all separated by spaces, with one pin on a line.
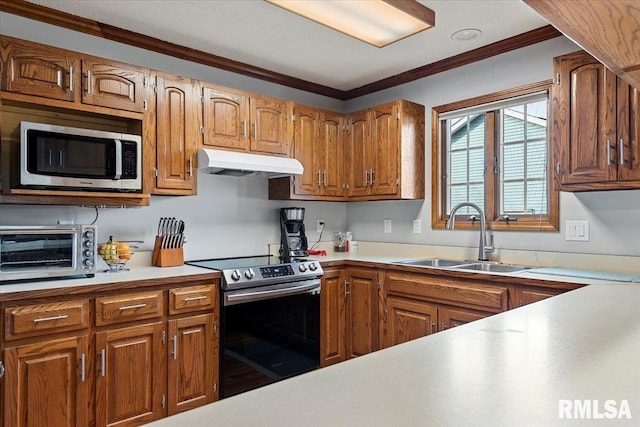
pixel 387 226
pixel 417 226
pixel 319 225
pixel 577 231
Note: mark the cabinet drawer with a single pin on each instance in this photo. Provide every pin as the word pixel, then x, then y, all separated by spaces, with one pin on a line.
pixel 40 319
pixel 192 298
pixel 130 307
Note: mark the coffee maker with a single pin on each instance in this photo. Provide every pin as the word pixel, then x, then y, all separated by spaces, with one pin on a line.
pixel 293 241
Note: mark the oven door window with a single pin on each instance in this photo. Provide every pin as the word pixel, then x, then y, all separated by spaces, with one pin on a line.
pixel 269 340
pixel 70 156
pixel 35 251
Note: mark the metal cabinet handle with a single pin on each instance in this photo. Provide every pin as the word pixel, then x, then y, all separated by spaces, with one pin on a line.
pixel 132 307
pixel 366 177
pixel 198 298
pixel 558 168
pixel 70 79
pixel 103 362
pixel 324 177
pixel 190 165
pixel 608 153
pixel 319 175
pixel 174 340
pixel 346 289
pixel 372 175
pixel 444 326
pixel 621 151
pixel 82 368
pixel 255 130
pixel 244 128
pixel 88 81
pixel 49 319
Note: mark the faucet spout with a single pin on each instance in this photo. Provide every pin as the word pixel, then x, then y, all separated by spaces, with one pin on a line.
pixel 483 249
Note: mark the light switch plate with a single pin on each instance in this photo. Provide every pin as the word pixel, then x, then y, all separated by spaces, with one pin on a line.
pixel 577 231
pixel 417 226
pixel 387 226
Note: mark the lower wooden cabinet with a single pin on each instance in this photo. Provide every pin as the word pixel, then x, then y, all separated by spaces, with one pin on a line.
pixel 130 375
pixel 451 317
pixel 45 383
pixel 349 313
pixel 192 369
pixel 523 295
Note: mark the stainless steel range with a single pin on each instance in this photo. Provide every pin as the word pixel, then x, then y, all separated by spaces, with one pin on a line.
pixel 270 319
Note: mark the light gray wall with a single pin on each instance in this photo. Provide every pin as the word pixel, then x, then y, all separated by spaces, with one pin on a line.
pixel 232 216
pixel 611 215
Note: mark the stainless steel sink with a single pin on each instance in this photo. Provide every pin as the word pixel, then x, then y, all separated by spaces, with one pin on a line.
pixel 434 262
pixel 495 268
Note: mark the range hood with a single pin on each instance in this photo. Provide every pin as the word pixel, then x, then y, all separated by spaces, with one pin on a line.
pixel 231 163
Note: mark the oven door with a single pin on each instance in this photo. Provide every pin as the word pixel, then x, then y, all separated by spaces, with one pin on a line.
pixel 269 334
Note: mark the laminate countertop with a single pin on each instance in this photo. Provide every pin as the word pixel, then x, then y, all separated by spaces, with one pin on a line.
pixel 575 354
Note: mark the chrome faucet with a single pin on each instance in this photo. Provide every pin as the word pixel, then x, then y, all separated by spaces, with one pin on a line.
pixel 482 248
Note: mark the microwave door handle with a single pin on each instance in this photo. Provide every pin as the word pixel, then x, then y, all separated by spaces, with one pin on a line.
pixel 118 173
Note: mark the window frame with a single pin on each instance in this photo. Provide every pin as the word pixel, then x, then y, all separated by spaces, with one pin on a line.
pixel 549 222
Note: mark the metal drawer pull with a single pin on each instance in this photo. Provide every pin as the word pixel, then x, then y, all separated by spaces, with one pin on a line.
pixel 319 176
pixel 608 153
pixel 175 347
pixel 89 81
pixel 47 319
pixel 70 79
pixel 621 151
pixel 82 366
pixel 103 362
pixel 132 307
pixel 198 298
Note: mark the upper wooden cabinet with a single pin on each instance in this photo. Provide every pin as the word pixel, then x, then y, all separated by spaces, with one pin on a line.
pixel 595 126
pixel 385 152
pixel 608 30
pixel 113 85
pixel 237 120
pixel 47 72
pixel 177 135
pixel 318 143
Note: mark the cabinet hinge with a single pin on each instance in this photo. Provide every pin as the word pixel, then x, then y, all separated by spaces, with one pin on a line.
pixel 155 172
pixel 164 337
pixel 202 130
pixel 379 286
pixel 495 166
pixel 164 401
pixel 1 369
pixel 215 386
pixel 397 182
pixel 558 78
pixel 144 105
pixel 293 118
pixel 202 99
pixel 145 82
pixel 398 115
pixel 215 327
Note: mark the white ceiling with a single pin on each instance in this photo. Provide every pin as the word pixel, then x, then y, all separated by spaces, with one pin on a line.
pixel 261 34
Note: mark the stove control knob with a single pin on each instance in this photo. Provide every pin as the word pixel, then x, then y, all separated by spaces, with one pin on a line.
pixel 313 266
pixel 235 275
pixel 302 268
pixel 249 274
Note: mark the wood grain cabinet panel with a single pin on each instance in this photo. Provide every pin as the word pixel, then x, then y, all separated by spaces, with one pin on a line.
pixel 192 298
pixel 359 154
pixel 270 130
pixel 408 320
pixel 331 159
pixel 225 118
pixel 451 317
pixel 306 132
pixel 113 85
pixel 333 317
pixel 42 319
pixel 193 362
pixel 129 307
pixel 130 375
pixel 45 384
pixel 34 69
pixel 384 175
pixel 362 311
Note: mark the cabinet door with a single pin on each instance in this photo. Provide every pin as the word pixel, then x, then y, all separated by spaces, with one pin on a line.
pixel 269 125
pixel 385 143
pixel 528 295
pixel 362 311
pixel 193 362
pixel 628 132
pixel 584 120
pixel 112 85
pixel 305 151
pixel 45 383
pixel 36 70
pixel 359 153
pixel 451 317
pixel 225 119
pixel 332 317
pixel 407 320
pixel 331 152
pixel 177 133
pixel 130 375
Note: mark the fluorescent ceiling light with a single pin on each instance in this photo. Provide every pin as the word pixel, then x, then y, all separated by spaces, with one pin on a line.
pixel 377 22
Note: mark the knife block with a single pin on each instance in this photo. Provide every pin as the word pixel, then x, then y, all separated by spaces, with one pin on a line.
pixel 166 257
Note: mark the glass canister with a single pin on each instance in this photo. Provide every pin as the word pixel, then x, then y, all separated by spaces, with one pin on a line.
pixel 340 242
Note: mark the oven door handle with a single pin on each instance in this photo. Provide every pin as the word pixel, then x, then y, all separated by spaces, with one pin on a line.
pixel 253 295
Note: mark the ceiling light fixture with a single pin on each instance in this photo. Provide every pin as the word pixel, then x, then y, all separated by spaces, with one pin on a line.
pixel 466 34
pixel 377 22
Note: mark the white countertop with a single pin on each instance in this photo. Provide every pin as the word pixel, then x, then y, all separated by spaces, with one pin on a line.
pixel 510 369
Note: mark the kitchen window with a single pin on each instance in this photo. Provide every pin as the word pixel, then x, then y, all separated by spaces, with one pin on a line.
pixel 494 151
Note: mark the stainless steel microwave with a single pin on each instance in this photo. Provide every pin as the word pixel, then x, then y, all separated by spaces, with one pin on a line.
pixel 42 252
pixel 73 158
